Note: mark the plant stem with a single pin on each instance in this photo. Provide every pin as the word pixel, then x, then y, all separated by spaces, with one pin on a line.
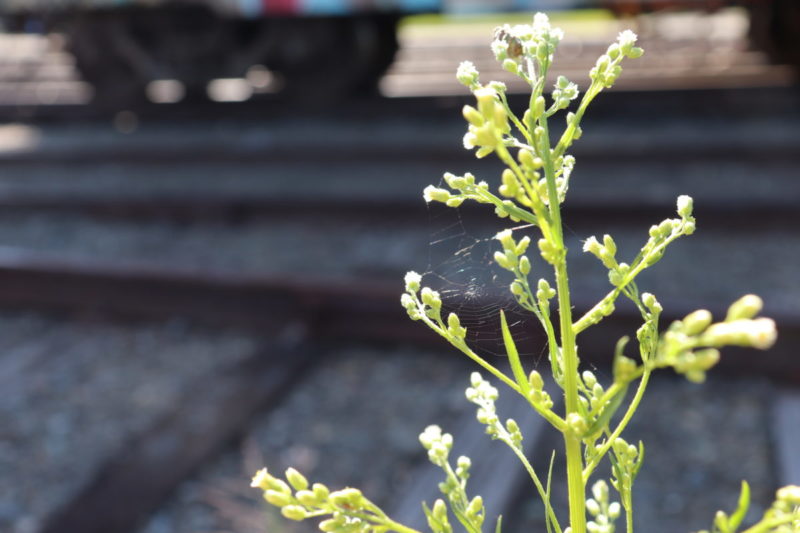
pixel 569 354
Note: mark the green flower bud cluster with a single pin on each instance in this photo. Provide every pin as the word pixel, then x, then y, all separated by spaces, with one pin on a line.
pixel 487 124
pixel 348 510
pixel 564 91
pixel 465 188
pixel 437 444
pixel 594 390
pixel 468 75
pixel 470 512
pixel 513 46
pixel 512 258
pixel 605 252
pixel 607 69
pixel 690 345
pixel 603 512
pixel 423 303
pixel 626 462
pixel 484 395
pixel 537 395
pixel 786 509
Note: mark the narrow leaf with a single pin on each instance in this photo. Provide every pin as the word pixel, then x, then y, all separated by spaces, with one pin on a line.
pixel 513 356
pixel 741 509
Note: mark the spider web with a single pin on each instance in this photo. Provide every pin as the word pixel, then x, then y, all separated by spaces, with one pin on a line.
pixel 462 269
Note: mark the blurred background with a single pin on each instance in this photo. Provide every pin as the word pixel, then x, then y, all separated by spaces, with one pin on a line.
pixel 207 208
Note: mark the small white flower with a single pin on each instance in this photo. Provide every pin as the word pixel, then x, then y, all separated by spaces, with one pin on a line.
pixel 467 74
pixel 260 479
pixel 499 48
pixel 412 280
pixel 626 39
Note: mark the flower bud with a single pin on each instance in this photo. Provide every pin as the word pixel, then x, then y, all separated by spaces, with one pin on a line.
pixel 516 288
pixel 509 188
pixel 506 239
pixel 294 512
pixel 484 151
pixel 472 115
pixel 610 245
pixel 330 525
pixel 307 498
pixel 261 479
pixel 696 322
pixel 486 98
pixel 348 497
pixel 592 246
pixel 747 306
pixel 501 259
pixel 500 115
pixel 475 506
pixel 789 494
pixel 440 510
pixel 548 251
pixel 589 378
pixel 453 321
pixel 296 479
pixel 651 303
pixel 434 194
pixel 685 206
pixel 576 424
pixel 278 499
pixel 512 426
pixel 524 265
pixel 536 381
pixel 593 507
pixel 510 65
pixel 759 333
pixel 538 106
pixel 320 491
pixel 522 245
pixel 600 491
pixel 467 74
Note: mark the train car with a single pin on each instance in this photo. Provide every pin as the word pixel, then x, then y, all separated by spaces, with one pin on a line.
pixel 122 45
pixel 313 46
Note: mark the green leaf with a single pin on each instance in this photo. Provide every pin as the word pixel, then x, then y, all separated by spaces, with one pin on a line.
pixel 513 356
pixel 639 461
pixel 741 509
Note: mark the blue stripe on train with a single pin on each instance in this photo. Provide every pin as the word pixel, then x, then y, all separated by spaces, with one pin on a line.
pixel 341 7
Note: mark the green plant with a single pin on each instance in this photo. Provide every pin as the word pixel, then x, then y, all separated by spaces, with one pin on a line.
pixel 533 187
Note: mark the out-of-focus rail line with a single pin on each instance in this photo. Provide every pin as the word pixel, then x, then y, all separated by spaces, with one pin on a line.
pixel 332 309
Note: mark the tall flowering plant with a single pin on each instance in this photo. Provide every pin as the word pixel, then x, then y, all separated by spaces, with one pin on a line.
pixel 532 188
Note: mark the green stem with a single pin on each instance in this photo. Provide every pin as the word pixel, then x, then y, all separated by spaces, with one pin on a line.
pixel 629 518
pixel 620 427
pixel 569 354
